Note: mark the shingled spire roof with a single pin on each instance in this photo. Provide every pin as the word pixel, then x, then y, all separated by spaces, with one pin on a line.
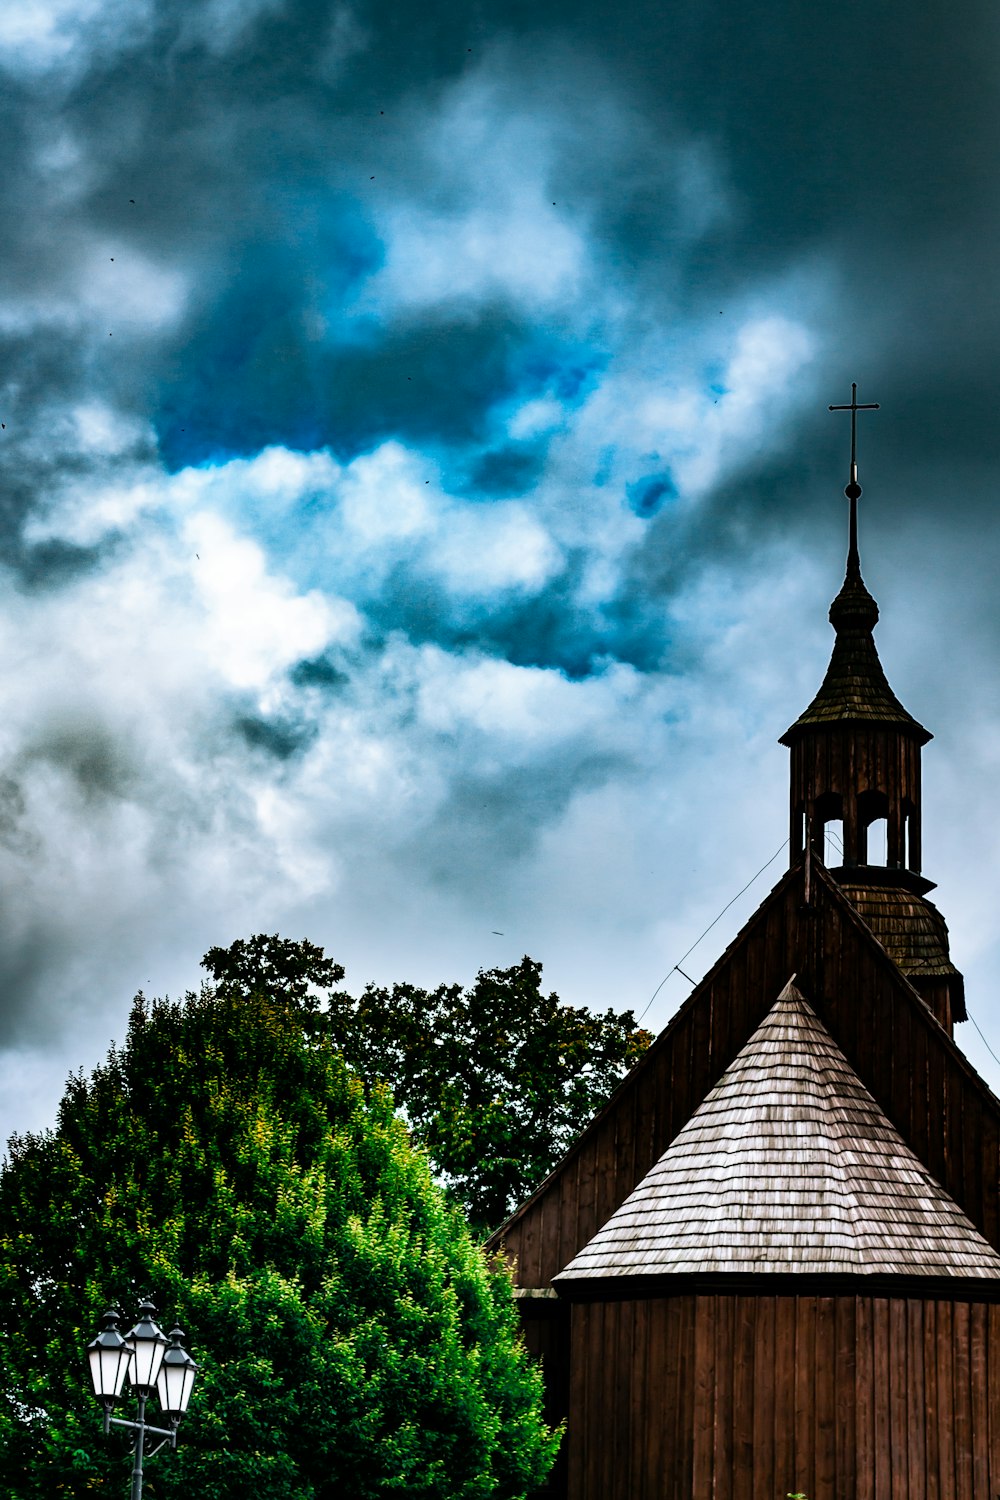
pixel 789 1165
pixel 855 685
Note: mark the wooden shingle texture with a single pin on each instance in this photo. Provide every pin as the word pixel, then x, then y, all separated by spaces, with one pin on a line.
pixel 855 687
pixel 788 1165
pixel 911 930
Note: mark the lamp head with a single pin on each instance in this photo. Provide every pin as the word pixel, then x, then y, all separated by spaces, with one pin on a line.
pixel 108 1356
pixel 176 1377
pixel 147 1344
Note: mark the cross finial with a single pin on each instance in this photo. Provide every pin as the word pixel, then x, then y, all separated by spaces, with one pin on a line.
pixel 853 489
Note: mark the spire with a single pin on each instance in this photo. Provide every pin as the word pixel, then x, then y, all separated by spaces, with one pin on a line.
pixel 855 760
pixel 855 685
pixel 854 606
pixel 853 489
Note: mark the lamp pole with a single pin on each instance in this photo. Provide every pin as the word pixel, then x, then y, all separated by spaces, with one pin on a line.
pixel 150 1362
pixel 139 1448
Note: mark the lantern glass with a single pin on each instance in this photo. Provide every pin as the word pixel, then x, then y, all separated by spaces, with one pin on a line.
pixel 147 1346
pixel 108 1356
pixel 176 1377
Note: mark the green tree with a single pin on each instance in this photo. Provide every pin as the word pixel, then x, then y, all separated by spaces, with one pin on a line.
pixel 495 1080
pixel 272 965
pixel 352 1340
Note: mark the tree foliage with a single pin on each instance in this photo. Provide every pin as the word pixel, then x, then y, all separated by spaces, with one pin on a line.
pixel 273 965
pixel 496 1080
pixel 351 1338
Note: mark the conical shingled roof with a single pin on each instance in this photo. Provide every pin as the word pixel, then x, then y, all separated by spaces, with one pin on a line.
pixel 855 686
pixel 788 1165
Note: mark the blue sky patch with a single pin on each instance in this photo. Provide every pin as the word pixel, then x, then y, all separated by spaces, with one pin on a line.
pixel 646 497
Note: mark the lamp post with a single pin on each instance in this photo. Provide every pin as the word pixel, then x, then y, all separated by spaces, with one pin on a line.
pixel 149 1361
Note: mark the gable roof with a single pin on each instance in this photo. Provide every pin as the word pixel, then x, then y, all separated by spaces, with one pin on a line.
pixel 899 1051
pixel 788 1165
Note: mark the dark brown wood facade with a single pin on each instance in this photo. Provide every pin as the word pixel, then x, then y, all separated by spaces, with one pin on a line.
pixel 901 1053
pixel 750 1396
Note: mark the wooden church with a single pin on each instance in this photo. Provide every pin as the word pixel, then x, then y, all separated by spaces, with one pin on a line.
pixel 770 1264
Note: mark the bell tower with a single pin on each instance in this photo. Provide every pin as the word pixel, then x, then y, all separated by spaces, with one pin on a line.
pixel 855 786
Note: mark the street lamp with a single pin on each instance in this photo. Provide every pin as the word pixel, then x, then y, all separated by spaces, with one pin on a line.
pixel 150 1362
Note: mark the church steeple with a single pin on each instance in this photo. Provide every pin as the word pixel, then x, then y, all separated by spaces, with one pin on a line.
pixel 855 785
pixel 856 750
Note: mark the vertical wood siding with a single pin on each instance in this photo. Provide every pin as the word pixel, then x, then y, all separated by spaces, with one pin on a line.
pixel 738 1397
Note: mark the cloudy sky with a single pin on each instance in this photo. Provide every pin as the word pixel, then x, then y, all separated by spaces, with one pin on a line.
pixel 419 501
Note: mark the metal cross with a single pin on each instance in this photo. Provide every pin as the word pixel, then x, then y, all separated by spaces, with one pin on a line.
pixel 854 408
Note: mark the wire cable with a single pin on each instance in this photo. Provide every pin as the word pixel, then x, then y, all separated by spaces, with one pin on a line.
pixel 677 966
pixel 976 1024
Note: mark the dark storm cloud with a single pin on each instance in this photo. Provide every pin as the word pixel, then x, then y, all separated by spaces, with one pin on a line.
pixel 320 673
pixel 537 309
pixel 548 630
pixel 828 131
pixel 231 151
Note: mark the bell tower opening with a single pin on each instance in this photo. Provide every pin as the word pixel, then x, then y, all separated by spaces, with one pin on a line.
pixel 911 835
pixel 873 829
pixel 828 829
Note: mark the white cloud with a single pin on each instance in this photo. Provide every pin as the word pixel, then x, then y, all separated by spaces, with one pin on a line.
pixel 254 625
pixel 495 547
pixel 520 709
pixel 48 38
pixel 536 417
pixel 100 429
pixel 519 247
pixel 220 25
pixel 656 411
pixel 491 224
pixel 383 500
pixel 42 36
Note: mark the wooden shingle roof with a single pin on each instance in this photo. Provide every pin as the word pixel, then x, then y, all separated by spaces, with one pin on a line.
pixel 855 687
pixel 788 1165
pixel 911 930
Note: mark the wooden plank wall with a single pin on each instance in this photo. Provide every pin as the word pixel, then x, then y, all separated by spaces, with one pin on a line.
pixel 736 1397
pixel 852 761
